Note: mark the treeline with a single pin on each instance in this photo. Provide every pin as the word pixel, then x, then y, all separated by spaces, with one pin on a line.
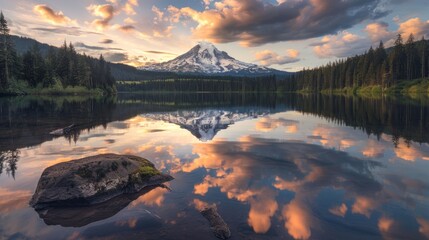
pixel 377 67
pixel 58 68
pixel 203 84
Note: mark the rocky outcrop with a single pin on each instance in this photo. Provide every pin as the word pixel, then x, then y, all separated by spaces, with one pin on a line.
pixel 94 180
pixel 217 224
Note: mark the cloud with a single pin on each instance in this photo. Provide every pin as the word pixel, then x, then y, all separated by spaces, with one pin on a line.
pixel 83 45
pixel 346 44
pixel 74 31
pixel 341 45
pixel 161 26
pixel 340 210
pixel 414 26
pixel 379 31
pixel 116 57
pixel 256 22
pixel 160 52
pixel 129 7
pixel 105 12
pixel 127 28
pixel 106 41
pixel 268 58
pixel 48 14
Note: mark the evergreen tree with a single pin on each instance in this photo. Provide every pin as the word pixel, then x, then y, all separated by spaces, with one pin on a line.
pixel 6 50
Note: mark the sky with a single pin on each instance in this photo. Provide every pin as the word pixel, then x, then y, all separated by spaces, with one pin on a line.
pixel 284 34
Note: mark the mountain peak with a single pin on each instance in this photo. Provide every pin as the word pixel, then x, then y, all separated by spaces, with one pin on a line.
pixel 206 45
pixel 205 58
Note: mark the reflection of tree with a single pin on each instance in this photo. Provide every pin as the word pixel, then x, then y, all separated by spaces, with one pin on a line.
pixel 8 162
pixel 401 118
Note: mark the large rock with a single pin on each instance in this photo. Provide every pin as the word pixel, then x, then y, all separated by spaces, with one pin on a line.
pixel 94 180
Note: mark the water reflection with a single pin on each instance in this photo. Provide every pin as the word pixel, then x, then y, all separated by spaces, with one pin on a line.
pixel 8 162
pixel 84 215
pixel 244 171
pixel 277 167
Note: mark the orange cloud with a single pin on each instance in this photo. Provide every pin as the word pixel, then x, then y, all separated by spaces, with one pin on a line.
pixel 414 26
pixel 105 12
pixel 262 209
pixel 378 31
pixel 373 149
pixel 364 206
pixel 268 58
pixel 297 219
pixel 340 210
pixel 48 14
pixel 385 224
pixel 424 227
pixel 267 124
pixel 154 197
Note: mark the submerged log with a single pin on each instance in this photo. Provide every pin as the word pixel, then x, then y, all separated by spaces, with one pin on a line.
pixel 217 224
pixel 63 131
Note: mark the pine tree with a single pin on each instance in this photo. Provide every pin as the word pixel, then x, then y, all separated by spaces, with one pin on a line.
pixel 5 52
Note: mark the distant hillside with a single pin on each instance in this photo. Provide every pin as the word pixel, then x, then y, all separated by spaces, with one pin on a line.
pixel 119 71
pixel 23 44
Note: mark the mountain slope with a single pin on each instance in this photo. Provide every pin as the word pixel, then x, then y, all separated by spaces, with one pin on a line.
pixel 205 58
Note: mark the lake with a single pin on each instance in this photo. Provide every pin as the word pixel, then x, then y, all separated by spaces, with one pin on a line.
pixel 276 166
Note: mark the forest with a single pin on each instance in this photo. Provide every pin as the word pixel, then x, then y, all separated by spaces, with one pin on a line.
pixel 379 68
pixel 60 70
pixel 189 83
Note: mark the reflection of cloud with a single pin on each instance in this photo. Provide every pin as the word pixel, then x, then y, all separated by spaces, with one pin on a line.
pixel 364 206
pixel 373 149
pixel 11 201
pixel 411 153
pixel 240 167
pixel 297 219
pixel 262 209
pixel 267 124
pixel 153 198
pixel 333 137
pixel 340 210
pixel 385 223
pixel 200 205
pixel 424 227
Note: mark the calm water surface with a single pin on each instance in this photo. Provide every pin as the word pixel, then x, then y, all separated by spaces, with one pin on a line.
pixel 276 167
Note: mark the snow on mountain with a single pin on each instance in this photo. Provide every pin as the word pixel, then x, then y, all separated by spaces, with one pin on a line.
pixel 207 59
pixel 205 124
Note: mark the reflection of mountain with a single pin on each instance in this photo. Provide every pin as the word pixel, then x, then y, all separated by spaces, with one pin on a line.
pixel 84 215
pixel 205 124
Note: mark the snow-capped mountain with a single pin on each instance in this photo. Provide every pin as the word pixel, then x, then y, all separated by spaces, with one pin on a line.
pixel 205 124
pixel 205 58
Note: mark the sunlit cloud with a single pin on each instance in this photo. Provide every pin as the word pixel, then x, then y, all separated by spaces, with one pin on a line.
pixel 49 15
pixel 297 219
pixel 385 224
pixel 340 210
pixel 424 226
pixel 105 12
pixel 268 57
pixel 246 21
pixel 416 26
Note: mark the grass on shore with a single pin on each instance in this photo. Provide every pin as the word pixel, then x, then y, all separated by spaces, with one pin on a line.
pixel 413 88
pixel 17 87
